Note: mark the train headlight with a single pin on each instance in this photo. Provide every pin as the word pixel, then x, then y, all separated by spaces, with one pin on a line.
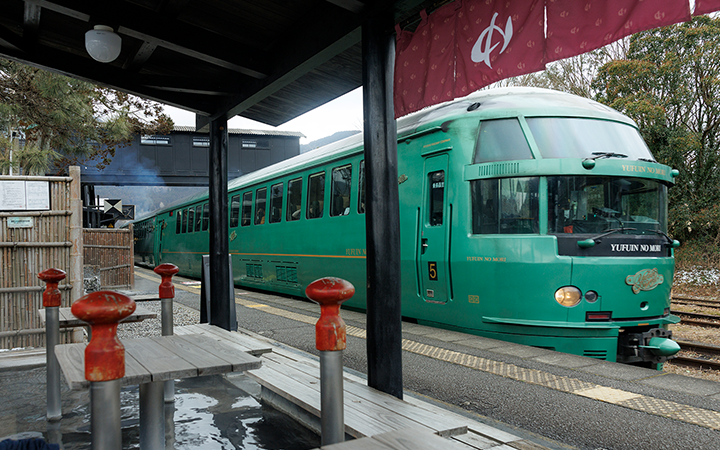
pixel 568 296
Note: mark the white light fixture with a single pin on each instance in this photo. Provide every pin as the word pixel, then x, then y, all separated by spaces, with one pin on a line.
pixel 102 44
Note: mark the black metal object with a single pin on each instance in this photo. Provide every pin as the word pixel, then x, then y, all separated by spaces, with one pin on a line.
pixel 384 332
pixel 219 247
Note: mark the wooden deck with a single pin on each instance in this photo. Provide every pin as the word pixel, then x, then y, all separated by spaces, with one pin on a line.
pixel 162 358
pixel 405 439
pixel 290 381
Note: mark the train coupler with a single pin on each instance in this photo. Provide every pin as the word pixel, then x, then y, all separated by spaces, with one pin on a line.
pixel 654 346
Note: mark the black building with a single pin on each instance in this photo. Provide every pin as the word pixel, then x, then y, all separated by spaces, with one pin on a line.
pixel 181 157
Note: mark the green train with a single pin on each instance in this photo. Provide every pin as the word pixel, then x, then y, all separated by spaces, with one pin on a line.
pixel 527 215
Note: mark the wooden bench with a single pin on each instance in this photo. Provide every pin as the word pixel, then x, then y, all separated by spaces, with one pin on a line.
pixel 67 320
pixel 239 339
pixel 290 382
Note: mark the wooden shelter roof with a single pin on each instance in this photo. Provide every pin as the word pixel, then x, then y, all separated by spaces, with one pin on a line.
pixel 267 60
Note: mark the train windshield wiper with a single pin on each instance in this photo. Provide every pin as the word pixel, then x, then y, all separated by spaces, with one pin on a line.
pixel 598 155
pixel 590 242
pixel 662 233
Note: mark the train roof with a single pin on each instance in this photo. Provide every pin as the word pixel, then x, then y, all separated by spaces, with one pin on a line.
pixel 487 104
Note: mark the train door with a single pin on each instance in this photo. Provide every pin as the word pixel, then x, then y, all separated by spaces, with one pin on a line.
pixel 432 261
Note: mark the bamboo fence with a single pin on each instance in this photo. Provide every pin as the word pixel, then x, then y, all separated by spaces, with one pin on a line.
pixel 110 251
pixel 25 252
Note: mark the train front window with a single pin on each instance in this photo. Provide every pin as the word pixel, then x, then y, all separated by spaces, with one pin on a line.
pixel 566 137
pixel 501 140
pixel 505 206
pixel 595 204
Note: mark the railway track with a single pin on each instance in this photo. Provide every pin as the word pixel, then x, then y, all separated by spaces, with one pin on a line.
pixel 698 319
pixel 704 302
pixel 701 362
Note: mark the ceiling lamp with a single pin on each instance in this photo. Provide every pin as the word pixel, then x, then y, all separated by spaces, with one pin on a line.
pixel 102 44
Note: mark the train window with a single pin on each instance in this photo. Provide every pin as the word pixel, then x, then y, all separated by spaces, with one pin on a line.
pixel 260 197
pixel 198 217
pixel 183 228
pixel 437 197
pixel 505 206
pixel 595 204
pixel 206 216
pixel 234 211
pixel 276 200
pixel 501 140
pixel 294 199
pixel 191 220
pixel 361 188
pixel 247 209
pixel 340 190
pixel 566 137
pixel 178 222
pixel 316 195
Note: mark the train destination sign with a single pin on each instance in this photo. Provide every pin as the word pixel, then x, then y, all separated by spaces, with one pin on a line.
pixel 635 248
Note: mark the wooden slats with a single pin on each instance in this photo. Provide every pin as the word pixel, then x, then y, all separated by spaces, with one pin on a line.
pixel 241 340
pixel 67 320
pixel 163 358
pixel 368 412
pixel 405 439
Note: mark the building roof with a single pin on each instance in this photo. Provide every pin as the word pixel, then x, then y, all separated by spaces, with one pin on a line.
pixel 297 134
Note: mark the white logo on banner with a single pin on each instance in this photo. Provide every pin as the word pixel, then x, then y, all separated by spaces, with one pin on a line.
pixel 483 47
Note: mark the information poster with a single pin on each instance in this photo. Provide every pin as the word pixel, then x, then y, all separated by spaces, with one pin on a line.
pixel 18 195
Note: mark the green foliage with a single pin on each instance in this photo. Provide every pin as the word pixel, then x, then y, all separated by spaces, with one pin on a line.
pixel 58 115
pixel 670 85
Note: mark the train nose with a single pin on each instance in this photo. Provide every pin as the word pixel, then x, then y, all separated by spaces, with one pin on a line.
pixel 660 346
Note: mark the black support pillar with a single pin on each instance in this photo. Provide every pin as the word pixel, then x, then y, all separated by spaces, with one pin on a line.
pixel 384 332
pixel 220 306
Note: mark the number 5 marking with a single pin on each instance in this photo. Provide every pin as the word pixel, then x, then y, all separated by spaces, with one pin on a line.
pixel 432 271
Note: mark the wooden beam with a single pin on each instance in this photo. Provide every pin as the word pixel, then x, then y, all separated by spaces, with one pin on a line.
pixel 382 220
pixel 161 30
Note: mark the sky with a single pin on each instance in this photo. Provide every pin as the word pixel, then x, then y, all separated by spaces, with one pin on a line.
pixel 342 114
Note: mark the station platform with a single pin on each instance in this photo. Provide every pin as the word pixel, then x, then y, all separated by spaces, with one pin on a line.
pixel 548 399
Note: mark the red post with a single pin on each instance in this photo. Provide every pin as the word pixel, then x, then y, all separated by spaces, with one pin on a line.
pixel 330 292
pixel 166 271
pixel 105 354
pixel 51 302
pixel 51 296
pixel 167 294
pixel 330 339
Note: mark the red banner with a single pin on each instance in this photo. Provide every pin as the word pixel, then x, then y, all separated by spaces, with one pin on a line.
pixel 425 62
pixel 706 6
pixel 579 26
pixel 497 39
pixel 468 44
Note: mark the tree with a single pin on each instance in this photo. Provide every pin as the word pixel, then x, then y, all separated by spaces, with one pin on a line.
pixel 572 75
pixel 63 120
pixel 670 85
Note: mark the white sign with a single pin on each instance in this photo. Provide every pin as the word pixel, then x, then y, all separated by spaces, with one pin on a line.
pixel 20 222
pixel 18 195
pixel 12 195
